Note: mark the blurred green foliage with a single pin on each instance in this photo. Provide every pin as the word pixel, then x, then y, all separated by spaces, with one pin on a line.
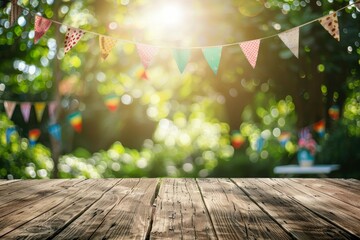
pixel 179 125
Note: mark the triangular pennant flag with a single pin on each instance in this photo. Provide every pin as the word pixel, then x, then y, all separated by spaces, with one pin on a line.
pixel 72 37
pixel 182 57
pixel 213 56
pixel 146 53
pixel 334 112
pixel 55 131
pixel 15 12
pixel 260 144
pixel 34 135
pixel 112 102
pixel 25 110
pixel 284 138
pixel 331 24
pixel 9 108
pixel 251 49
pixel 319 127
pixel 237 140
pixel 75 120
pixel 9 131
pixel 52 107
pixel 141 74
pixel 39 110
pixel 42 25
pixel 291 40
pixel 106 45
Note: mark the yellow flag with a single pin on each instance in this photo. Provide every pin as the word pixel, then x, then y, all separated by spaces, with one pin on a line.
pixel 39 110
pixel 106 45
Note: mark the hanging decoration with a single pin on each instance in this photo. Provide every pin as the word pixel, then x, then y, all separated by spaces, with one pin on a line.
pixel 331 24
pixel 42 25
pixel 181 57
pixel 146 53
pixel 237 140
pixel 15 12
pixel 291 40
pixel 72 37
pixel 39 110
pixel 334 112
pixel 260 144
pixel 55 131
pixel 112 102
pixel 284 138
pixel 251 49
pixel 75 120
pixel 213 56
pixel 9 108
pixel 9 132
pixel 34 135
pixel 106 45
pixel 319 127
pixel 25 110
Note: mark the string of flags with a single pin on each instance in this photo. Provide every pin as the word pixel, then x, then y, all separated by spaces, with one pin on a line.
pixel 212 54
pixel 25 108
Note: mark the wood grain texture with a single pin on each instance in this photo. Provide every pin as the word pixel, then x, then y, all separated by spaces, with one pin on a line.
pixel 180 212
pixel 4 181
pixel 130 218
pixel 235 215
pixel 300 222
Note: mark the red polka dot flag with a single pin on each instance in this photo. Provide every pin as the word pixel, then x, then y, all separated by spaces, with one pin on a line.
pixel 72 37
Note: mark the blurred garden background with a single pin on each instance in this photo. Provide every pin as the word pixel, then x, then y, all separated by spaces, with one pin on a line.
pixel 240 122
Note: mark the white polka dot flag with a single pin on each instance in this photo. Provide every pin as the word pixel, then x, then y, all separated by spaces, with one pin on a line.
pixel 106 45
pixel 72 37
pixel 291 40
pixel 146 53
pixel 42 25
pixel 9 108
pixel 251 50
pixel 331 24
pixel 25 110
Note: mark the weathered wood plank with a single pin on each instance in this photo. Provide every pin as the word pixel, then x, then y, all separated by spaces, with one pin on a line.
pixel 300 222
pixel 55 219
pixel 235 215
pixel 349 184
pixel 340 193
pixel 180 212
pixel 19 217
pixel 343 215
pixel 130 218
pixel 4 181
pixel 19 185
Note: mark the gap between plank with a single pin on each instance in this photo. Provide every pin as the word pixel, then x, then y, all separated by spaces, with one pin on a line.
pixel 157 189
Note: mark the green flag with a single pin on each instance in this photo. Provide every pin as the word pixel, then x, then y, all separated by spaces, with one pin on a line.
pixel 182 57
pixel 212 56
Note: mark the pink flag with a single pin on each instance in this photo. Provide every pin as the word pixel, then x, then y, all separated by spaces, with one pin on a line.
pixel 146 53
pixel 331 24
pixel 42 25
pixel 72 37
pixel 291 40
pixel 52 107
pixel 251 49
pixel 25 110
pixel 9 108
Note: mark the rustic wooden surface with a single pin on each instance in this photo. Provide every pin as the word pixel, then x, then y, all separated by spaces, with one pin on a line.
pixel 210 208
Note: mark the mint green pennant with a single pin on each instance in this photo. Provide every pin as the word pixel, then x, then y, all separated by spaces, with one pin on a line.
pixel 212 56
pixel 182 57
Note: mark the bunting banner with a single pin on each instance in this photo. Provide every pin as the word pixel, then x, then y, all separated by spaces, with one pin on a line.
pixel 331 24
pixel 25 110
pixel 55 131
pixel 291 40
pixel 213 56
pixel 9 132
pixel 250 50
pixel 106 45
pixel 42 25
pixel 72 37
pixel 39 110
pixel 319 127
pixel 146 53
pixel 34 135
pixel 9 108
pixel 334 112
pixel 52 110
pixel 237 140
pixel 112 102
pixel 75 120
pixel 284 138
pixel 181 57
pixel 15 12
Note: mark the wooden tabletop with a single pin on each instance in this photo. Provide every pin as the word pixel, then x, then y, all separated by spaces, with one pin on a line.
pixel 208 208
